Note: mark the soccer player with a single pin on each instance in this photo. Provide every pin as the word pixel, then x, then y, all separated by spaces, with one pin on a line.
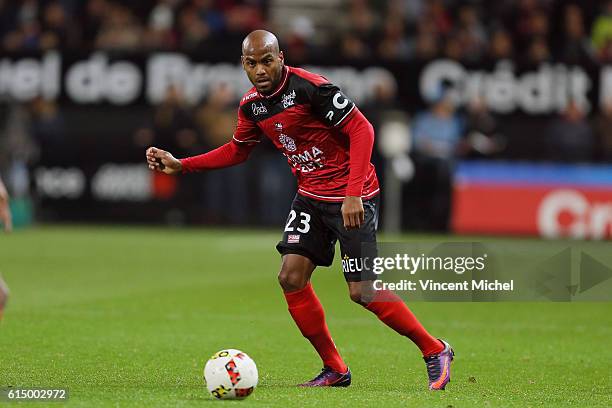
pixel 328 143
pixel 5 218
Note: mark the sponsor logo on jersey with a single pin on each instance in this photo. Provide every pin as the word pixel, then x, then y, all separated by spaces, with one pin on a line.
pixel 352 265
pixel 249 96
pixel 288 99
pixel 287 142
pixel 259 109
pixel 307 161
pixel 293 238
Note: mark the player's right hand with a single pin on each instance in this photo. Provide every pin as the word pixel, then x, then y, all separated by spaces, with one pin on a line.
pixel 163 161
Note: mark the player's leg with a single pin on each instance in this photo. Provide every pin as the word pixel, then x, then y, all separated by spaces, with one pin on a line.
pixel 295 272
pixel 386 305
pixel 393 312
pixel 306 244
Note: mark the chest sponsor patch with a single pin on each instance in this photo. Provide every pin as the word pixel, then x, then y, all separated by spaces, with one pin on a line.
pixel 287 142
pixel 288 99
pixel 259 109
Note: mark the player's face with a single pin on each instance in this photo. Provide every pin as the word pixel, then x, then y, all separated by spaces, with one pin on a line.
pixel 264 69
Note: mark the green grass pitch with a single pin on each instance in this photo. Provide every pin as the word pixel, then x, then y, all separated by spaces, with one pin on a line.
pixel 128 317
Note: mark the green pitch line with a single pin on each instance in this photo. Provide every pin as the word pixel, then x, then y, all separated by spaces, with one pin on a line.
pixel 128 317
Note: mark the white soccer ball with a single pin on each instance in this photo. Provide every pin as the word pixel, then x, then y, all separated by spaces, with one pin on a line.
pixel 230 374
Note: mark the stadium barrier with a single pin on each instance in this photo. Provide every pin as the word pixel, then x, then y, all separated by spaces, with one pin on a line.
pixel 548 200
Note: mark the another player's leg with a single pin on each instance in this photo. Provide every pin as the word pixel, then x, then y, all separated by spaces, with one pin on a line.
pixel 4 292
pixel 308 314
pixel 393 312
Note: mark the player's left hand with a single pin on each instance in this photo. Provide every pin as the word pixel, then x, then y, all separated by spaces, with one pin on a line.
pixel 352 212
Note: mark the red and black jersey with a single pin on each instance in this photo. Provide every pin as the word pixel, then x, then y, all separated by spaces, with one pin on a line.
pixel 309 120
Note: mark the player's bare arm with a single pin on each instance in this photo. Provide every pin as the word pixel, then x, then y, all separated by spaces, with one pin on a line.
pixel 4 294
pixel 163 161
pixel 5 211
pixel 5 218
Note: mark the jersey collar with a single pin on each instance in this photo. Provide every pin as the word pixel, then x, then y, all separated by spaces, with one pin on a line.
pixel 281 86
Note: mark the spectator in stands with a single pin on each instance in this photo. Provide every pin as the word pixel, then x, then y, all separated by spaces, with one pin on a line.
pixel 384 100
pixel 57 31
pixel 575 45
pixel 91 20
pixel 410 10
pixel 438 130
pixel 226 193
pixel 470 33
pixel 298 40
pixel 120 30
pixel 501 47
pixel 602 33
pixel 243 17
pixel 538 52
pixel 210 15
pixel 216 118
pixel 160 30
pixel 426 47
pixel 194 32
pixel 362 22
pixel 47 127
pixel 452 48
pixel 438 14
pixel 173 124
pixel 383 107
pixel 569 136
pixel 353 47
pixel 436 136
pixel 24 31
pixel 393 44
pixel 426 44
pixel 393 30
pixel 527 19
pixel 483 137
pixel 602 126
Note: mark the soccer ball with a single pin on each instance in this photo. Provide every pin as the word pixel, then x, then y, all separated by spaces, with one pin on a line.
pixel 230 374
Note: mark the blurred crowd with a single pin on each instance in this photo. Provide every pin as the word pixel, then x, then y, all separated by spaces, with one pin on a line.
pixel 126 26
pixel 532 31
pixel 528 30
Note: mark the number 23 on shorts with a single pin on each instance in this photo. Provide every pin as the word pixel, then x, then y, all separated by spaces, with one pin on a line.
pixel 303 224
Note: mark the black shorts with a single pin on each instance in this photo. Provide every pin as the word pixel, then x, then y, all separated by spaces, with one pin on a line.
pixel 313 227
